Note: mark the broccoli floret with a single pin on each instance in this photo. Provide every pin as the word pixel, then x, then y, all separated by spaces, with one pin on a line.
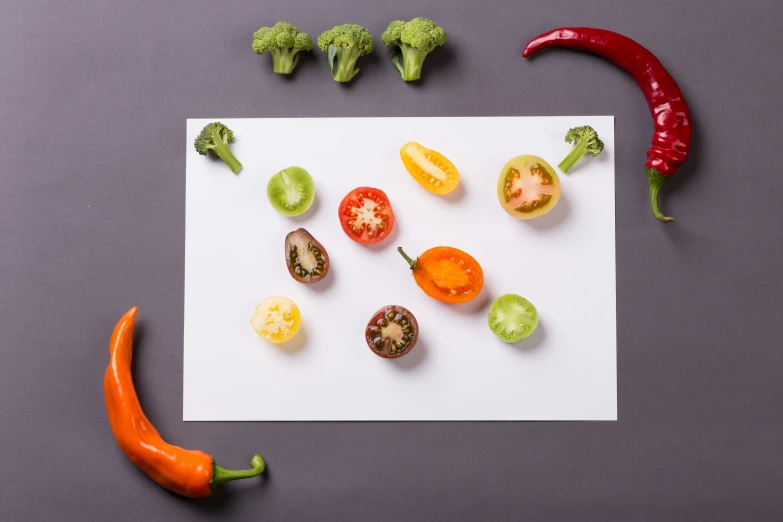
pixel 284 41
pixel 216 137
pixel 343 45
pixel 416 39
pixel 585 139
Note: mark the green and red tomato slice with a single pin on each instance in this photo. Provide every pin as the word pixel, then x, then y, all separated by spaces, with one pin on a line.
pixel 528 187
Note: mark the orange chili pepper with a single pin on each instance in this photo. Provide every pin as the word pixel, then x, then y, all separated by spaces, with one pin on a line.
pixel 190 473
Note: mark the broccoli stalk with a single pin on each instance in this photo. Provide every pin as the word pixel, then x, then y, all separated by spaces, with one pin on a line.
pixel 284 42
pixel 343 45
pixel 216 137
pixel 415 39
pixel 585 140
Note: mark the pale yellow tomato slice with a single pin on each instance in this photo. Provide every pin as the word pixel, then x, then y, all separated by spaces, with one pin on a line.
pixel 276 319
pixel 431 169
pixel 528 187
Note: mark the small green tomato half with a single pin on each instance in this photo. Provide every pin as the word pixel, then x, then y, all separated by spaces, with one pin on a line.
pixel 512 318
pixel 291 191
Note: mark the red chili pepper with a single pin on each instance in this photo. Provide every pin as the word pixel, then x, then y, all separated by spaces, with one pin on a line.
pixel 672 138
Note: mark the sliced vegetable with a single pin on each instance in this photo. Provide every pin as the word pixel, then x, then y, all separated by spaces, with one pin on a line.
pixel 305 257
pixel 291 191
pixel 512 318
pixel 366 215
pixel 276 319
pixel 392 332
pixel 431 169
pixel 528 187
pixel 447 274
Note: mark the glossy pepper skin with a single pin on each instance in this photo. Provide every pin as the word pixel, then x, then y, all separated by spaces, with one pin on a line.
pixel 671 139
pixel 190 473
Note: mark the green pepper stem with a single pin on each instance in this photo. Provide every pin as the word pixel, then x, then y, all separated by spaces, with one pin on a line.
pixel 656 181
pixel 411 262
pixel 221 475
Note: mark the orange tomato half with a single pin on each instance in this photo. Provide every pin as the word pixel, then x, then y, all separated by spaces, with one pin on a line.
pixel 431 169
pixel 447 274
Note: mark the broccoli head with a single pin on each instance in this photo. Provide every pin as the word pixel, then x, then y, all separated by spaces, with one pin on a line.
pixel 216 137
pixel 284 41
pixel 343 45
pixel 415 39
pixel 585 140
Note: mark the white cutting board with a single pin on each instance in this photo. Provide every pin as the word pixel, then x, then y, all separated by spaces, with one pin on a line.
pixel 563 262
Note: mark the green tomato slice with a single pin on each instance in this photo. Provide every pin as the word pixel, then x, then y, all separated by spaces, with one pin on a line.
pixel 291 191
pixel 512 318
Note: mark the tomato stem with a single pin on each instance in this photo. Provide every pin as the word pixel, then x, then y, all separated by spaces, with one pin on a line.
pixel 411 262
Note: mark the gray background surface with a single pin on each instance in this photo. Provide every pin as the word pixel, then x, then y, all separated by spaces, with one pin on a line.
pixel 93 102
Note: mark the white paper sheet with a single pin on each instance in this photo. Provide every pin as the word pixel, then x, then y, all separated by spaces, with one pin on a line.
pixel 563 262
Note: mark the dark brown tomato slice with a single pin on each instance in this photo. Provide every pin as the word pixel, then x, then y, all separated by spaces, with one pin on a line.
pixel 305 257
pixel 392 332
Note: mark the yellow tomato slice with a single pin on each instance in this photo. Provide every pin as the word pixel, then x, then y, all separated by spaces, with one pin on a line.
pixel 276 319
pixel 431 169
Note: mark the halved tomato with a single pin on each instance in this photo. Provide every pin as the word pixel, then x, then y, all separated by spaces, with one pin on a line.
pixel 431 169
pixel 366 215
pixel 276 319
pixel 447 274
pixel 528 187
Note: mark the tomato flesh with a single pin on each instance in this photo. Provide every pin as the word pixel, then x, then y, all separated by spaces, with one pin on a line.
pixel 366 215
pixel 447 274
pixel 276 319
pixel 392 332
pixel 512 318
pixel 431 169
pixel 528 187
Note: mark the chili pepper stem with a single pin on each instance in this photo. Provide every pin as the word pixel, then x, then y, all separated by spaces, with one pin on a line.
pixel 656 181
pixel 411 262
pixel 221 475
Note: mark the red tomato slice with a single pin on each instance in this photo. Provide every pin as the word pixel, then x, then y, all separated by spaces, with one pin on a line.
pixel 366 215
